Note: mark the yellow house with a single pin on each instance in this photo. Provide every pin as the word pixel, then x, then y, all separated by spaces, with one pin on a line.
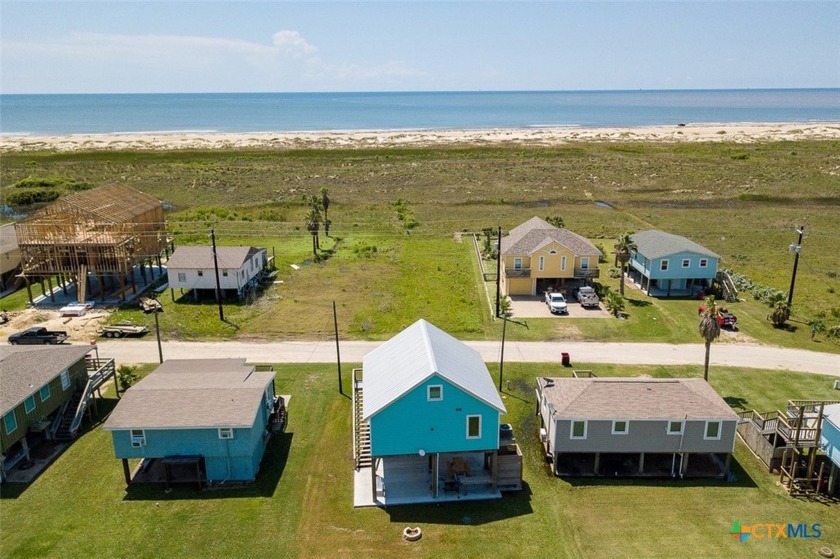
pixel 9 255
pixel 537 256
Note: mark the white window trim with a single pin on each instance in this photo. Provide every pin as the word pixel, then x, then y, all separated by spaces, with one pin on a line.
pixel 429 393
pixel 664 264
pixel 668 427
pixel 626 427
pixel 225 433
pixel 563 263
pixel 572 428
pixel 224 273
pixel 552 251
pixel 182 277
pixel 137 440
pixel 65 379
pixel 26 407
pixel 686 263
pixel 6 422
pixel 200 273
pixel 468 427
pixel 584 262
pixel 706 436
pixel 542 263
pixel 704 262
pixel 517 263
pixel 41 393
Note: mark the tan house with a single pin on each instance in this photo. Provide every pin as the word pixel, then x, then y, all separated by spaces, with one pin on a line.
pixel 9 256
pixel 537 256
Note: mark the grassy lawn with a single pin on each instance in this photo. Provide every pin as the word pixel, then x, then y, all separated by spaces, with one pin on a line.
pixel 740 200
pixel 301 503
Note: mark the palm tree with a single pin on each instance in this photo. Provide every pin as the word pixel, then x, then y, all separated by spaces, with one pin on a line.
pixel 312 225
pixel 325 202
pixel 614 302
pixel 781 311
pixel 624 247
pixel 709 328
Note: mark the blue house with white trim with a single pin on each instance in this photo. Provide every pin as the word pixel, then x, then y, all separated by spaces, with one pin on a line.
pixel 209 419
pixel 671 265
pixel 830 444
pixel 427 405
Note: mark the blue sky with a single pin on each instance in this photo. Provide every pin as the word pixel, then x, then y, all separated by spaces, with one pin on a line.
pixel 212 46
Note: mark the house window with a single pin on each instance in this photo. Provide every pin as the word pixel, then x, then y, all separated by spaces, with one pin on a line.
pixel 201 273
pixel 65 380
pixel 552 251
pixel 182 277
pixel 620 427
pixel 434 392
pixel 138 437
pixel 473 426
pixel 712 430
pixel 517 263
pixel 29 404
pixel 686 263
pixel 10 422
pixel 584 263
pixel 578 430
pixel 704 262
pixel 663 266
pixel 563 263
pixel 542 263
pixel 226 433
pixel 224 273
pixel 675 427
pixel 44 393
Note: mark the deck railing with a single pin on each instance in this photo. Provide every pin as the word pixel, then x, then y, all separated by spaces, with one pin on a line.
pixel 517 272
pixel 103 369
pixel 587 273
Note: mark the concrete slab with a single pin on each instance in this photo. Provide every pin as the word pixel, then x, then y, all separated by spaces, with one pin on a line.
pixel 534 307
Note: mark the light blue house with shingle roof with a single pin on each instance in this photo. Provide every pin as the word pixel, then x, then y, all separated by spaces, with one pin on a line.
pixel 830 444
pixel 668 264
pixel 432 409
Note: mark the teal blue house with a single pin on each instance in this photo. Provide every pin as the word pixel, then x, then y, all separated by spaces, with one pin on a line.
pixel 209 419
pixel 830 444
pixel 671 265
pixel 427 404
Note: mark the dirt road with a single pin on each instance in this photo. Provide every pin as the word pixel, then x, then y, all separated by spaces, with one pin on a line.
pixel 737 355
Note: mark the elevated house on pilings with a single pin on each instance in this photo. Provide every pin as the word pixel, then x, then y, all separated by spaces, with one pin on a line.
pixel 101 234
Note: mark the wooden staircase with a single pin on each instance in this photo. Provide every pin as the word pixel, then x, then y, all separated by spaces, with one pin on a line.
pixel 64 430
pixel 361 428
pixel 279 416
pixel 730 292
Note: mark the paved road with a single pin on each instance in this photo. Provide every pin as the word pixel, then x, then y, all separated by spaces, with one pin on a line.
pixel 738 355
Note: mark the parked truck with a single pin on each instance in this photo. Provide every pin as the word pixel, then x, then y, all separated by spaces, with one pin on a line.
pixel 556 302
pixel 37 335
pixel 587 297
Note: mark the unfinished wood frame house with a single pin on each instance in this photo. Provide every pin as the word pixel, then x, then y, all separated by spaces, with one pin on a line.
pixel 104 232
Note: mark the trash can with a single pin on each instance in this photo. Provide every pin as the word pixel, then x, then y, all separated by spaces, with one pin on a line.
pixel 567 361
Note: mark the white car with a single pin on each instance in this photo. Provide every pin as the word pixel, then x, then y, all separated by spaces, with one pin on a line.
pixel 76 309
pixel 556 302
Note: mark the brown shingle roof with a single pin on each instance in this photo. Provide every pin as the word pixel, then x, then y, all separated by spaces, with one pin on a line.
pixel 24 370
pixel 536 233
pixel 634 398
pixel 201 257
pixel 193 394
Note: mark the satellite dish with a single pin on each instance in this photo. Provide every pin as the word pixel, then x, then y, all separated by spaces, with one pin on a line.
pixel 421 452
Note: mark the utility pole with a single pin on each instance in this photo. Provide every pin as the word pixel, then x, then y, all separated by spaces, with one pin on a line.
pixel 502 360
pixel 795 248
pixel 337 351
pixel 499 273
pixel 216 266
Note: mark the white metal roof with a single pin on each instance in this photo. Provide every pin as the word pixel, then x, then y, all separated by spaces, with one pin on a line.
pixel 415 354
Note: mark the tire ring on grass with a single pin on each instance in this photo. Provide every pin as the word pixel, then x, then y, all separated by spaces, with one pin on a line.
pixel 826 552
pixel 412 534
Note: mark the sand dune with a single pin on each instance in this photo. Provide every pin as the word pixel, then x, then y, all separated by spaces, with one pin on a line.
pixel 739 133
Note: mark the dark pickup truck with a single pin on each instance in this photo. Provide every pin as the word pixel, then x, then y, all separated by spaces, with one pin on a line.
pixel 37 335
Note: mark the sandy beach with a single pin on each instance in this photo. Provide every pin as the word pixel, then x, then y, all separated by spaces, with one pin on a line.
pixel 738 133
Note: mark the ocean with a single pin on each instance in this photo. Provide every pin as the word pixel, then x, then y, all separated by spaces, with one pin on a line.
pixel 297 112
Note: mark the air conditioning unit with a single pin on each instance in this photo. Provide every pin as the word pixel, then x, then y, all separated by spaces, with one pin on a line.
pixel 226 433
pixel 837 385
pixel 543 436
pixel 137 442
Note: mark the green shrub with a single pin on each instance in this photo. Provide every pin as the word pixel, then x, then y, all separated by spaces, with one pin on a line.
pixel 31 196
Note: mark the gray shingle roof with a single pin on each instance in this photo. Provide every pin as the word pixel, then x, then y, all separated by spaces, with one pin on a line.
pixel 634 398
pixel 201 257
pixel 413 356
pixel 24 370
pixel 193 394
pixel 658 244
pixel 536 233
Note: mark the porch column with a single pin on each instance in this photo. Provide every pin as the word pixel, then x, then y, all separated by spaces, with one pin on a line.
pixel 832 478
pixel 727 463
pixel 641 462
pixel 126 471
pixel 597 463
pixel 25 446
pixel 495 469
pixel 49 283
pixel 684 469
pixel 435 470
pixel 373 477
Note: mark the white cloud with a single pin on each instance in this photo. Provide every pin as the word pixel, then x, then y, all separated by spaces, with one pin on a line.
pixel 293 43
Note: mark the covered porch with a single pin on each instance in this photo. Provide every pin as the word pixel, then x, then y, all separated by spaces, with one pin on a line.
pixel 432 478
